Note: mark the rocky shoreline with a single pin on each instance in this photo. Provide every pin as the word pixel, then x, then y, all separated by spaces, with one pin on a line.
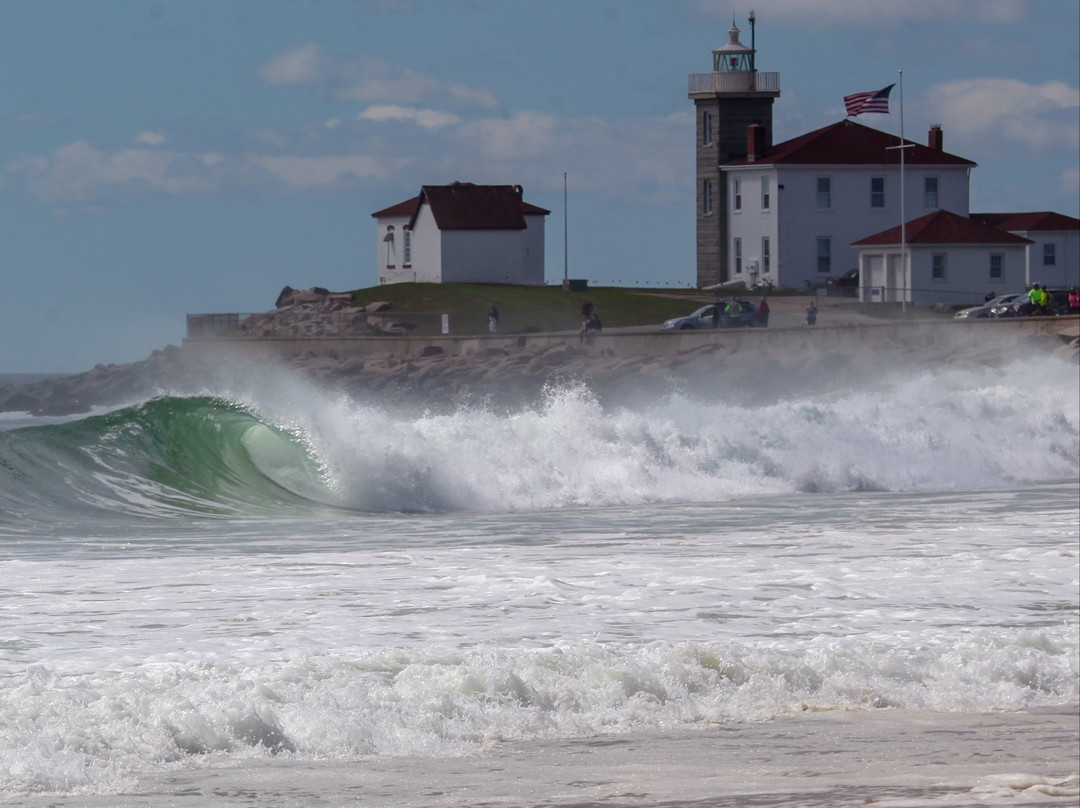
pixel 509 377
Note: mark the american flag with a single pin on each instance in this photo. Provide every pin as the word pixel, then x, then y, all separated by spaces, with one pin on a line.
pixel 868 102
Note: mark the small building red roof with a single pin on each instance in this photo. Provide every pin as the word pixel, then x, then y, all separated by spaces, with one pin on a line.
pixel 943 227
pixel 850 143
pixel 465 206
pixel 1028 222
pixel 406 208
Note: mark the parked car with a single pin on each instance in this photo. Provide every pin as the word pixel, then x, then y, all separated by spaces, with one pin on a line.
pixel 703 317
pixel 1022 307
pixel 979 312
pixel 847 284
pixel 1059 299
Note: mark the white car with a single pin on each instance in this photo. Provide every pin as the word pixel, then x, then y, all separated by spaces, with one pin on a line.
pixel 974 312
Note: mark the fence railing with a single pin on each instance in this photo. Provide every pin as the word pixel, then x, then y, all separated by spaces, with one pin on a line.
pixel 734 82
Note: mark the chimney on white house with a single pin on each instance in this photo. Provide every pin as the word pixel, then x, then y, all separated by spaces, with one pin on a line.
pixel 755 142
pixel 936 140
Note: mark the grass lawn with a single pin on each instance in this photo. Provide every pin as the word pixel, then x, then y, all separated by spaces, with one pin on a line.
pixel 528 309
pixel 536 309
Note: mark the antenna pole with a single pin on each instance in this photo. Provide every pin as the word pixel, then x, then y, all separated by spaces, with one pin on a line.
pixel 565 249
pixel 753 38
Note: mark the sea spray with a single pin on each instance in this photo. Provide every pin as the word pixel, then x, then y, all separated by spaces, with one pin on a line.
pixel 924 431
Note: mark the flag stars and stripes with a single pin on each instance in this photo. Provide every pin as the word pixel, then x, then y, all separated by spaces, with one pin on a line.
pixel 877 101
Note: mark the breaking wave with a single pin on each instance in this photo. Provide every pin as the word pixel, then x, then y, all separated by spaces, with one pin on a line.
pixel 928 430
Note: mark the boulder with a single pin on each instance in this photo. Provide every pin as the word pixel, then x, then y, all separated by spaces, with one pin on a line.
pixel 284 297
pixel 20 401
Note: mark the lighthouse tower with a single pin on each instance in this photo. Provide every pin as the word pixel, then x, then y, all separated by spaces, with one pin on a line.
pixel 728 101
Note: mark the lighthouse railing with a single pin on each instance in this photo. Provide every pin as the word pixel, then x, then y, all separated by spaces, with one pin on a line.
pixel 734 82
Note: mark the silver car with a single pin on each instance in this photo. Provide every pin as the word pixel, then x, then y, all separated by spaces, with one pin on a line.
pixel 703 317
pixel 984 310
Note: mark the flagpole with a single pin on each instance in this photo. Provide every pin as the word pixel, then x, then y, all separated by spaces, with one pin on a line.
pixel 903 214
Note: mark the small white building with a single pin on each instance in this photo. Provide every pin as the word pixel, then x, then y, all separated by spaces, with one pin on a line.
pixel 795 208
pixel 949 259
pixel 461 233
pixel 1053 257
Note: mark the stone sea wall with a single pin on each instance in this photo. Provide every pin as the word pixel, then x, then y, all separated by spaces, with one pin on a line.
pixel 508 369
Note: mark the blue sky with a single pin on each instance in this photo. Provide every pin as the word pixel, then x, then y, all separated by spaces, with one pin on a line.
pixel 165 157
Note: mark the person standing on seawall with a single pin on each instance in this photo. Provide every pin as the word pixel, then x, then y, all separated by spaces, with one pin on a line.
pixel 763 313
pixel 493 319
pixel 811 313
pixel 586 318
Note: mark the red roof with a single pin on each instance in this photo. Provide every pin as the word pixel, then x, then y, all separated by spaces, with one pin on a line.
pixel 850 143
pixel 1027 222
pixel 465 206
pixel 406 208
pixel 943 227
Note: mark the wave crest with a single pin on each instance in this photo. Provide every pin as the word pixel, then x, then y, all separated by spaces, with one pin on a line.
pixel 937 430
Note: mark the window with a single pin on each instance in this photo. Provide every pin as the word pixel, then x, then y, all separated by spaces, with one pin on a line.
pixel 824 192
pixel 939 266
pixel 1049 255
pixel 388 240
pixel 824 254
pixel 706 197
pixel 930 196
pixel 766 257
pixel 407 246
pixel 765 193
pixel 877 192
pixel 706 129
pixel 738 194
pixel 997 266
pixel 738 256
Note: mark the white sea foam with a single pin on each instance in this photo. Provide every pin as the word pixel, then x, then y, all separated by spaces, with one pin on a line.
pixel 946 430
pixel 563 572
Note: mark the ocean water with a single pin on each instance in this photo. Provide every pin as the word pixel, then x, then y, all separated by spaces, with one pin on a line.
pixel 268 595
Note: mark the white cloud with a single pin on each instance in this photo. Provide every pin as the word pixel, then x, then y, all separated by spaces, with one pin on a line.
pixel 367 78
pixel 987 110
pixel 313 172
pixel 640 159
pixel 405 86
pixel 79 173
pixel 301 65
pixel 470 96
pixel 526 136
pixel 150 138
pixel 427 118
pixel 645 157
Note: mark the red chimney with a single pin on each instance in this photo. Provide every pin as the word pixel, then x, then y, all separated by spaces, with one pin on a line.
pixel 936 140
pixel 755 142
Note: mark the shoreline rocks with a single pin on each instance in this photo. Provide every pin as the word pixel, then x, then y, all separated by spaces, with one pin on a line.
pixel 433 378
